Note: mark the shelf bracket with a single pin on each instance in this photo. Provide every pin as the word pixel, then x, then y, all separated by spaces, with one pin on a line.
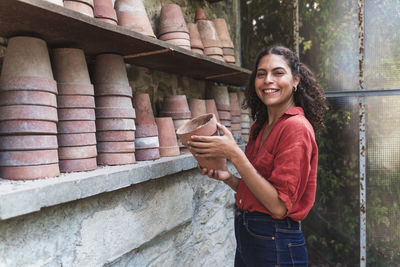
pixel 222 75
pixel 161 51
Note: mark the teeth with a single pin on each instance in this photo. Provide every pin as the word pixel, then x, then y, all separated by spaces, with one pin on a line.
pixel 270 91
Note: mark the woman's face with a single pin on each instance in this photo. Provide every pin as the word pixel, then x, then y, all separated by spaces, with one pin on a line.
pixel 274 82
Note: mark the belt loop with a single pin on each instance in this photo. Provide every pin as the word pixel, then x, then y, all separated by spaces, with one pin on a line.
pixel 288 222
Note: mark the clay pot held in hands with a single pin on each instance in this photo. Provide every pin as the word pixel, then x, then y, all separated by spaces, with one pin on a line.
pixel 205 125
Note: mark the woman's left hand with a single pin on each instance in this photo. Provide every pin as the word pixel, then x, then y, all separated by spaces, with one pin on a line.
pixel 213 146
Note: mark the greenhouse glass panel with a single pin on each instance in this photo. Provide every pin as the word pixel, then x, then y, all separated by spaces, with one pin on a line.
pixel 329 42
pixel 383 180
pixel 333 225
pixel 382 44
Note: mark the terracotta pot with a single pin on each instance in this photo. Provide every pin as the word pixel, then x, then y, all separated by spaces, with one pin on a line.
pixel 172 20
pixel 205 125
pixel 81 139
pixel 27 127
pixel 28 157
pixel 28 142
pixel 213 51
pixel 208 34
pixel 76 114
pixel 115 125
pixel 218 57
pixel 145 122
pixel 30 172
pixel 221 96
pixel 57 2
pixel 75 89
pixel 26 66
pixel 20 97
pixel 229 59
pixel 175 107
pixel 69 127
pixel 167 137
pixel 236 127
pixel 80 7
pixel 115 136
pixel 234 101
pixel 236 119
pixel 116 147
pixel 115 113
pixel 132 15
pixel 147 142
pixel 104 9
pixel 75 101
pixel 174 35
pixel 69 66
pixel 197 107
pixel 195 39
pixel 198 51
pixel 228 51
pixel 200 15
pixel 110 69
pixel 180 42
pixel 224 115
pixel 147 154
pixel 78 165
pixel 108 89
pixel 113 102
pixel 108 21
pixel 212 108
pixel 28 112
pixel 116 158
pixel 77 152
pixel 179 122
pixel 87 2
pixel 223 32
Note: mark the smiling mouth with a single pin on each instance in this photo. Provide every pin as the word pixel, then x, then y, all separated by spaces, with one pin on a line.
pixel 269 91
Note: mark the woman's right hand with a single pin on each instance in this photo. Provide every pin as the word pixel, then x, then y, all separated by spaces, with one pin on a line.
pixel 221 175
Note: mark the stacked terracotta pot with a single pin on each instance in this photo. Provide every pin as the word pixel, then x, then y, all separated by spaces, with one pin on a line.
pixel 235 114
pixel 104 10
pixel 172 28
pixel 82 6
pixel 167 137
pixel 115 114
pixel 197 107
pixel 195 41
pixel 245 120
pixel 212 108
pixel 132 15
pixel 76 127
pixel 146 142
pixel 177 108
pixel 28 112
pixel 221 97
pixel 209 36
pixel 226 41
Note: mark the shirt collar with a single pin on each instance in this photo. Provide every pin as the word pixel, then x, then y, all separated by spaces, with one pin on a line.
pixel 294 111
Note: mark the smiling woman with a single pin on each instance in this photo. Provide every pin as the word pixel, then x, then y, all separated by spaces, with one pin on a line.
pixel 279 166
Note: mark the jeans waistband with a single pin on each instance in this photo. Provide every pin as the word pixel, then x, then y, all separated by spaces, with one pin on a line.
pixel 286 221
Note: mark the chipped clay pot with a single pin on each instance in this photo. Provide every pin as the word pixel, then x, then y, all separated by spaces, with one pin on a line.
pixel 221 96
pixel 132 15
pixel 197 107
pixel 79 7
pixel 167 137
pixel 103 9
pixel 212 108
pixel 205 125
pixel 145 123
pixel 26 66
pixel 171 20
pixel 176 107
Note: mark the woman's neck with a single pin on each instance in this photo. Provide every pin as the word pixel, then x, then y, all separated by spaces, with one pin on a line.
pixel 275 113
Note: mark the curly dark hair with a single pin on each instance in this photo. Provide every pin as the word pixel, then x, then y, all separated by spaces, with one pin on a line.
pixel 309 94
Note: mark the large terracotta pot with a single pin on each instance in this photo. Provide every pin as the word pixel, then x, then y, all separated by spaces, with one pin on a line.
pixel 103 9
pixel 145 122
pixel 26 66
pixel 132 15
pixel 220 95
pixel 176 107
pixel 208 34
pixel 195 39
pixel 205 125
pixel 167 137
pixel 172 20
pixel 110 69
pixel 197 107
pixel 80 7
pixel 223 32
pixel 69 66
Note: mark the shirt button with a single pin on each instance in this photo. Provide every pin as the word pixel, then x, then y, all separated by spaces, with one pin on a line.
pixel 240 201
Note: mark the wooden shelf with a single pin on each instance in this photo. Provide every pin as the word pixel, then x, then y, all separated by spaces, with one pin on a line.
pixel 61 27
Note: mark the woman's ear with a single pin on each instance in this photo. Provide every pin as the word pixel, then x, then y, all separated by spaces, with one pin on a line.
pixel 296 80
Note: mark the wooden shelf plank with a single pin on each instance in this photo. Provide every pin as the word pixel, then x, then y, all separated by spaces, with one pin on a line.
pixel 61 27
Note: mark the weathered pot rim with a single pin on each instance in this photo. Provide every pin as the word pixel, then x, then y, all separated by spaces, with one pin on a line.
pixel 196 125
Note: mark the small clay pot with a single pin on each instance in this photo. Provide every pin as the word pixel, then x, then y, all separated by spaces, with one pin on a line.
pixel 228 51
pixel 145 122
pixel 167 137
pixel 81 139
pixel 147 154
pixel 75 89
pixel 198 51
pixel 27 127
pixel 208 34
pixel 175 107
pixel 132 15
pixel 197 107
pixel 172 20
pixel 78 165
pixel 234 101
pixel 79 7
pixel 20 97
pixel 115 125
pixel 28 157
pixel 115 136
pixel 218 57
pixel 195 39
pixel 221 96
pixel 110 69
pixel 223 32
pixel 205 125
pixel 147 142
pixel 184 43
pixel 212 108
pixel 69 127
pixel 28 142
pixel 75 101
pixel 210 51
pixel 76 114
pixel 200 15
pixel 28 112
pixel 77 152
pixel 113 102
pixel 69 66
pixel 116 147
pixel 109 89
pixel 229 59
pixel 116 158
pixel 29 172
pixel 115 113
pixel 175 35
pixel 103 9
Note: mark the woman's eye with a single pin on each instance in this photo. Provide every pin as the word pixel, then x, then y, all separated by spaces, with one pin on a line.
pixel 260 75
pixel 279 73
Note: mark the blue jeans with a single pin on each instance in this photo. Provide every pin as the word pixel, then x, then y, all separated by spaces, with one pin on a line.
pixel 265 241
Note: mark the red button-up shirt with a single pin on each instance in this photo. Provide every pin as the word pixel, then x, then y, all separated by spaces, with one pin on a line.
pixel 288 159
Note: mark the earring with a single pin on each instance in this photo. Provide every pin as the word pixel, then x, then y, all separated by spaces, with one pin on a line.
pixel 295 89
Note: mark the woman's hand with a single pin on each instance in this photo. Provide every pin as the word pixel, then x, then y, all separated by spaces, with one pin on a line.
pixel 221 175
pixel 214 146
